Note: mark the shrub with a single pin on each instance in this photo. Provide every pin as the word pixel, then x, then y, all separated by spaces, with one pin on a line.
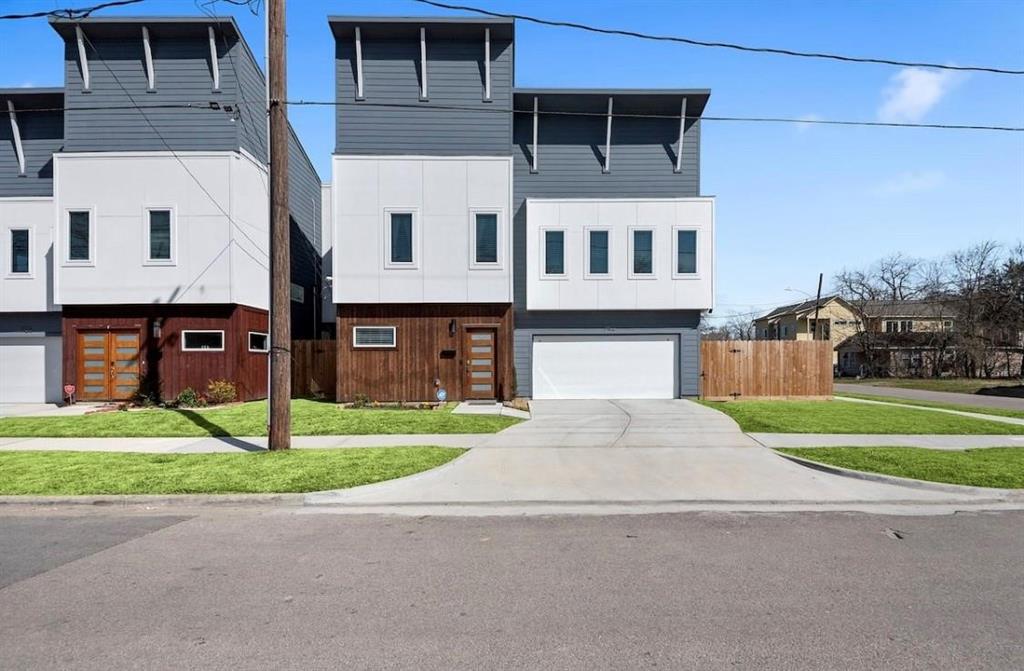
pixel 188 398
pixel 221 391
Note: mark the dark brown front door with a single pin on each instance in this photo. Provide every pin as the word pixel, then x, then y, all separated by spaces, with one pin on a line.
pixel 479 355
pixel 108 365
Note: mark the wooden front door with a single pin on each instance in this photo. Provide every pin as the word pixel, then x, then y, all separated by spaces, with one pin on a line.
pixel 480 356
pixel 108 365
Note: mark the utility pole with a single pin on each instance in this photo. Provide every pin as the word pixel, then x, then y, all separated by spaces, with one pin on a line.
pixel 817 305
pixel 280 252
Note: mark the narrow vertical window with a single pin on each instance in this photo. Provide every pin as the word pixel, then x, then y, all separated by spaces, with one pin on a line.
pixel 19 251
pixel 159 235
pixel 643 252
pixel 486 238
pixel 401 237
pixel 554 252
pixel 79 234
pixel 686 252
pixel 598 258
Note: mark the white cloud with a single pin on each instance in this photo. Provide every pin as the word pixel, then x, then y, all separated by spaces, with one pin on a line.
pixel 911 182
pixel 913 92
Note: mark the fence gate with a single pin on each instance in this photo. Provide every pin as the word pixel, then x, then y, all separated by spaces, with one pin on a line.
pixel 765 369
pixel 313 368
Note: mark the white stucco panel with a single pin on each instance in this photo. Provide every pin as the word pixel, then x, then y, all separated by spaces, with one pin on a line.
pixel 31 291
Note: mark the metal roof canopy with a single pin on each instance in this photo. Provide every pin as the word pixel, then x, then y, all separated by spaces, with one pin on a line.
pixel 121 27
pixel 34 98
pixel 665 102
pixel 399 27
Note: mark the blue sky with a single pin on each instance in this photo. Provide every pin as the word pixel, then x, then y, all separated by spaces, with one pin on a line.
pixel 793 200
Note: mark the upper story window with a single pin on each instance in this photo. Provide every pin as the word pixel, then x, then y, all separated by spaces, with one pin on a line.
pixel 159 238
pixel 899 326
pixel 20 255
pixel 686 252
pixel 485 239
pixel 554 252
pixel 401 239
pixel 598 242
pixel 80 237
pixel 642 252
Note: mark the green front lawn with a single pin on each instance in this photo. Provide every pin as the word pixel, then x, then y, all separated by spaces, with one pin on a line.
pixel 999 412
pixel 72 473
pixel 1001 467
pixel 845 417
pixel 309 418
pixel 960 385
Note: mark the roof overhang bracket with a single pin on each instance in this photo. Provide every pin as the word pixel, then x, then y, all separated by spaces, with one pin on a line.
pixel 536 118
pixel 423 63
pixel 214 61
pixel 359 64
pixel 16 134
pixel 608 140
pixel 679 146
pixel 83 59
pixel 150 70
pixel 487 65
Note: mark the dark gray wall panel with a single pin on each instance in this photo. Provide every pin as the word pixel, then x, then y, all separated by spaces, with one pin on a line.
pixel 455 78
pixel 304 205
pixel 41 136
pixel 118 79
pixel 681 323
pixel 31 322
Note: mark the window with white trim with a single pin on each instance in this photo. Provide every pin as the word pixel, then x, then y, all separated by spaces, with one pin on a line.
pixel 554 253
pixel 400 237
pixel 202 341
pixel 21 254
pixel 80 237
pixel 259 341
pixel 686 251
pixel 485 234
pixel 159 236
pixel 641 252
pixel 373 336
pixel 598 252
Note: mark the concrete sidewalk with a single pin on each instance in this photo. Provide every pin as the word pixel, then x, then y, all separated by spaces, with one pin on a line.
pixel 935 442
pixel 979 400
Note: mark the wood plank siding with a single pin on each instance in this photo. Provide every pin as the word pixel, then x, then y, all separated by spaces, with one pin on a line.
pixel 314 368
pixel 429 346
pixel 164 366
pixel 765 369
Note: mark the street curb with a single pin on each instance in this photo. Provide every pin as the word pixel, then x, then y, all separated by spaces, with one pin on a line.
pixel 1006 494
pixel 155 500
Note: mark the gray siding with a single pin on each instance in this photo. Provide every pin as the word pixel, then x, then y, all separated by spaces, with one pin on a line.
pixel 118 79
pixel 41 136
pixel 252 121
pixel 455 78
pixel 571 155
pixel 681 323
pixel 304 205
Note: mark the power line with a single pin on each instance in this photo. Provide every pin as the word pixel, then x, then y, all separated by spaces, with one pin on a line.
pixel 70 12
pixel 723 45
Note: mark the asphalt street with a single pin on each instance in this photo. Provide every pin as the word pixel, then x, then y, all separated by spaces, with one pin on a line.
pixel 276 588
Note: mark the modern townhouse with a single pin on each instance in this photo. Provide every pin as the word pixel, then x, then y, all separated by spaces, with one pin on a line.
pixel 31 132
pixel 159 253
pixel 492 241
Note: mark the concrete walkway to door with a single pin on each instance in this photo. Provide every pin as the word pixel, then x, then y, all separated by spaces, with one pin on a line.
pixel 628 455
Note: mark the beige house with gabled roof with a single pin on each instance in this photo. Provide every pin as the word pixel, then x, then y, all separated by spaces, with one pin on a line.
pixel 837 320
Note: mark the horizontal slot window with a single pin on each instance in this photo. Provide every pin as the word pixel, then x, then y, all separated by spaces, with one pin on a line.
pixel 202 341
pixel 374 336
pixel 259 342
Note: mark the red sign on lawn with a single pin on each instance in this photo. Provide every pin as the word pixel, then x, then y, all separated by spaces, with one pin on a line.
pixel 69 389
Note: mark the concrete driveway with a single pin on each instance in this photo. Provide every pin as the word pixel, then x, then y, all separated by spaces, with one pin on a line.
pixel 623 454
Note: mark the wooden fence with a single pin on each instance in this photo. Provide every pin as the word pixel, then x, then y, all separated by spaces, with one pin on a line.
pixel 313 368
pixel 750 369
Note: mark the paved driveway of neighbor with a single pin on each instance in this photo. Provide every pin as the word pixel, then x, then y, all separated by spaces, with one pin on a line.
pixel 623 453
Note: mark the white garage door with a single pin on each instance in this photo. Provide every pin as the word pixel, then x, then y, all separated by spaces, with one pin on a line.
pixel 30 369
pixel 620 366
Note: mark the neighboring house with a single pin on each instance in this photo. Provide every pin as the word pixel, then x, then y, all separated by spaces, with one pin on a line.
pixel 906 316
pixel 837 320
pixel 560 251
pixel 30 320
pixel 160 217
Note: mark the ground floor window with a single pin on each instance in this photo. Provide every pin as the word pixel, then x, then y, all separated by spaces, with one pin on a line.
pixel 373 336
pixel 259 342
pixel 202 341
